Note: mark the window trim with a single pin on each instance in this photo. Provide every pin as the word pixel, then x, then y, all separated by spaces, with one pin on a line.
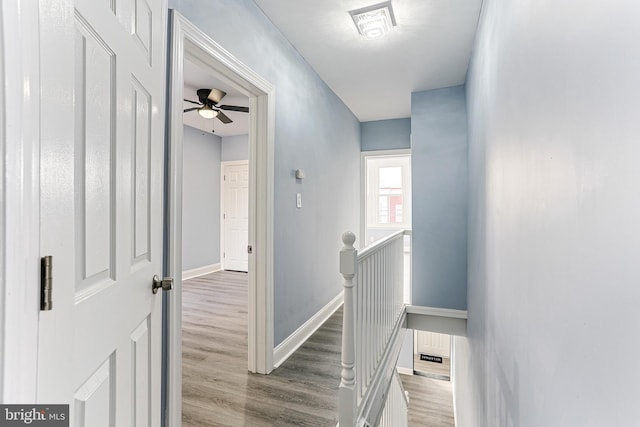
pixel 364 156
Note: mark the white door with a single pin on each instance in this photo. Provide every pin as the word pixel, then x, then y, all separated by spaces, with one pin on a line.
pixel 433 343
pixel 102 104
pixel 235 216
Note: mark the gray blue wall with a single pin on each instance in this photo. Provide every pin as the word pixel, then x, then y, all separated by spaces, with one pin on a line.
pixel 235 147
pixel 439 185
pixel 554 232
pixel 314 131
pixel 200 199
pixel 391 134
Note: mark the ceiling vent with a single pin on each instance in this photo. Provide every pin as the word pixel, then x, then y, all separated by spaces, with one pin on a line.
pixel 374 21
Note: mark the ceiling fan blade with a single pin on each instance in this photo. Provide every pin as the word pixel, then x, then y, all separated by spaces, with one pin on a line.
pixel 193 102
pixel 234 108
pixel 224 118
pixel 216 95
pixel 191 109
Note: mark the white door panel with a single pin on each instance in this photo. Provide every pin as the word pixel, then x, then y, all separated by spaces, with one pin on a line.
pixel 433 343
pixel 236 216
pixel 101 208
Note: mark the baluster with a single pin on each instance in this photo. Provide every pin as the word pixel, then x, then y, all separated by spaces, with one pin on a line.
pixel 347 393
pixel 360 334
pixel 395 283
pixel 400 276
pixel 368 323
pixel 383 299
pixel 376 303
pixel 382 261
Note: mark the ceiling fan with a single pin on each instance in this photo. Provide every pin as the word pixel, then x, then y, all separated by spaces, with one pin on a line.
pixel 209 108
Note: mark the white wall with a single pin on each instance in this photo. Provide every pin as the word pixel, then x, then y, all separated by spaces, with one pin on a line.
pixel 554 217
pixel 200 199
pixel 235 148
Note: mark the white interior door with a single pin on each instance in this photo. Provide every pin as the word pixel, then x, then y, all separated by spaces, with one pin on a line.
pixel 433 343
pixel 102 104
pixel 235 216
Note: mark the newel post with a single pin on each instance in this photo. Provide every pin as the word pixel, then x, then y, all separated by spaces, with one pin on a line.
pixel 347 393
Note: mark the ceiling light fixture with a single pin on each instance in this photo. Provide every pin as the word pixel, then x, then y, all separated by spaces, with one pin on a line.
pixel 374 21
pixel 207 112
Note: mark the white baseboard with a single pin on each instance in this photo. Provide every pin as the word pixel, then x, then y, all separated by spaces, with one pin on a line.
pixel 190 274
pixel 404 371
pixel 296 339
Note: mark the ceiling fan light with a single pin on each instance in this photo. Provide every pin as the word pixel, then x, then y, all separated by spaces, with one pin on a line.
pixel 207 112
pixel 374 21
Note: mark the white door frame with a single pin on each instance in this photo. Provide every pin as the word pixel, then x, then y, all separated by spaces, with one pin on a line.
pixel 188 40
pixel 20 193
pixel 224 164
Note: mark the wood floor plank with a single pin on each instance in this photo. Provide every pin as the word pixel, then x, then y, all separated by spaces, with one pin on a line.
pixel 430 401
pixel 218 390
pixel 442 369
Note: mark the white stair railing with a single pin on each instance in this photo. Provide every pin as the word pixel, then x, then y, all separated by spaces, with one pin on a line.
pixel 374 316
pixel 395 412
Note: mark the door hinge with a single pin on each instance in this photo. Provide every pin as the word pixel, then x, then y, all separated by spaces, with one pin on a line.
pixel 224 254
pixel 224 216
pixel 46 283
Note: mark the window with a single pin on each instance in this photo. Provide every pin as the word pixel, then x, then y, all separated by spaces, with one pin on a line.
pixel 387 193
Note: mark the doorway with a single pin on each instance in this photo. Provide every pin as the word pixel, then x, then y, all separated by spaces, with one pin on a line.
pixel 212 141
pixel 432 355
pixel 234 215
pixel 189 42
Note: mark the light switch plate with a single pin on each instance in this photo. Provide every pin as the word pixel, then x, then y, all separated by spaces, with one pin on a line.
pixel 299 200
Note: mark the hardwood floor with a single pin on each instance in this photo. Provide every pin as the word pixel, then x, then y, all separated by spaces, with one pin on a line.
pixel 218 391
pixel 430 401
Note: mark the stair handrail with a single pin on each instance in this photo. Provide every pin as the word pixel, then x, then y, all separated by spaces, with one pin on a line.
pixel 368 362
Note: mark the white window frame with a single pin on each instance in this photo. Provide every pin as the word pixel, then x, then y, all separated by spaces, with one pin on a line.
pixel 367 205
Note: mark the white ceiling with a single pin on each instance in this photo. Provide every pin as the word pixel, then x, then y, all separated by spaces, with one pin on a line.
pixel 196 78
pixel 428 49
